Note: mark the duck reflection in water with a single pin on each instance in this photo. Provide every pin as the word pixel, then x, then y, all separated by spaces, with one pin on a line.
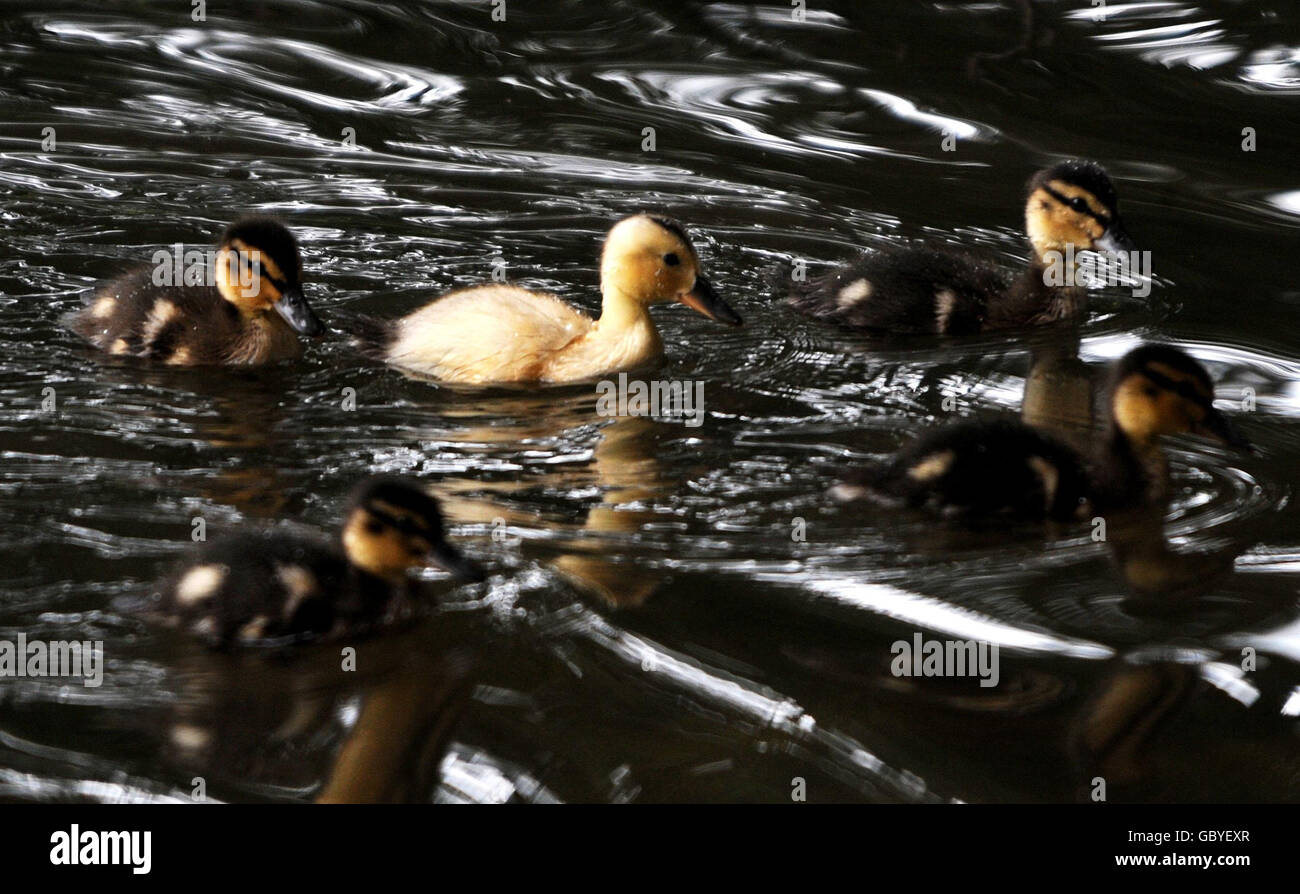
pixel 236 432
pixel 623 467
pixel 367 726
pixel 1142 727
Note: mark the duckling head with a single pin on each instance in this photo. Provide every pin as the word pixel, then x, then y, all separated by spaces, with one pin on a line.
pixel 649 259
pixel 1074 204
pixel 1159 390
pixel 392 526
pixel 258 269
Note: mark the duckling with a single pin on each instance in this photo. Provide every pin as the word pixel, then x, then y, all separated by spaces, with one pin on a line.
pixel 257 269
pixel 269 588
pixel 1071 207
pixel 1005 468
pixel 502 333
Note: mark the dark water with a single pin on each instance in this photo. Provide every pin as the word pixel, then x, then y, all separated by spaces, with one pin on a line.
pixel 653 629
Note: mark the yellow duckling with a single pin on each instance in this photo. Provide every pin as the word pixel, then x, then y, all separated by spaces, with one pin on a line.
pixel 226 320
pixel 502 333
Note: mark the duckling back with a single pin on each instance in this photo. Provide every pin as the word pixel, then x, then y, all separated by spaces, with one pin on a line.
pixel 1070 207
pixel 1006 467
pixel 979 469
pixel 489 333
pixel 259 588
pixel 176 325
pixel 907 289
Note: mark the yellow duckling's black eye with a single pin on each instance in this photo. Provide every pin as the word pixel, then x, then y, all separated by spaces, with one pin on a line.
pixel 1078 204
pixel 374 527
pixel 671 259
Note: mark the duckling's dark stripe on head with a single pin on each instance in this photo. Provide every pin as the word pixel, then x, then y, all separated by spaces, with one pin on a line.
pixel 1086 209
pixel 1086 175
pixel 269 235
pixel 388 499
pixel 397 516
pixel 1186 389
pixel 671 226
pixel 260 273
pixel 258 263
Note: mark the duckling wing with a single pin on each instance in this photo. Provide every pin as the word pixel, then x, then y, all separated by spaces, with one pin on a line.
pixel 979 469
pixel 492 333
pixel 908 289
pixel 257 586
pixel 131 316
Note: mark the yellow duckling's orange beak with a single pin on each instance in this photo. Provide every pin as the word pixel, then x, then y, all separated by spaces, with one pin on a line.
pixel 702 299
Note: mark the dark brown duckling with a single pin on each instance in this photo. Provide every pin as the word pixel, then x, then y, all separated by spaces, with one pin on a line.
pixel 1005 468
pixel 1071 207
pixel 273 587
pixel 226 319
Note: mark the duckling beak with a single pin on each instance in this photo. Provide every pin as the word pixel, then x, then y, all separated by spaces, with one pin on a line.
pixel 1219 428
pixel 1116 239
pixel 702 299
pixel 297 312
pixel 451 560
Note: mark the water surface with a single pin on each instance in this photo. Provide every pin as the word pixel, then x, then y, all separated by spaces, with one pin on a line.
pixel 674 613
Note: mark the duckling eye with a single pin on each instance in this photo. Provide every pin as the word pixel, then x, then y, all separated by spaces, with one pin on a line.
pixel 671 259
pixel 374 527
pixel 1078 204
